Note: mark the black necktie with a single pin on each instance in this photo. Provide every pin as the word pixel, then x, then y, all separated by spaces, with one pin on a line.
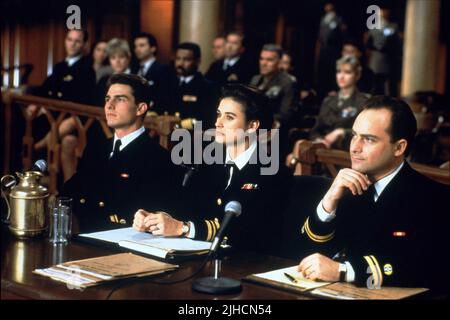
pixel 370 192
pixel 230 165
pixel 117 147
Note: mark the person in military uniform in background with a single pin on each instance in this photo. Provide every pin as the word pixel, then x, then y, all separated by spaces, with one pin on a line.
pixel 241 109
pixel 278 86
pixel 195 97
pixel 234 67
pixel 328 47
pixel 69 77
pixel 385 52
pixel 338 112
pixel 366 82
pixel 129 171
pixel 160 77
pixel 387 223
pixel 73 75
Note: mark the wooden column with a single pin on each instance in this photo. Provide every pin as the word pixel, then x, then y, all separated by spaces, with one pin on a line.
pixel 421 44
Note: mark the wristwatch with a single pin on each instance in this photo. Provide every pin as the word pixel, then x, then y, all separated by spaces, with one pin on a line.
pixel 342 272
pixel 185 229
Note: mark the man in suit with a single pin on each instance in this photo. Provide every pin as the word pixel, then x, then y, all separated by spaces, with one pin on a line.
pixel 129 171
pixel 160 77
pixel 242 112
pixel 234 67
pixel 195 98
pixel 381 218
pixel 218 48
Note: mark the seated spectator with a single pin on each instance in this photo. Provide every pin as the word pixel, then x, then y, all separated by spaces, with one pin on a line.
pixel 338 111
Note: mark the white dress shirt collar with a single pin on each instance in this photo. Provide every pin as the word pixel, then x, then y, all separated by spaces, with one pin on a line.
pixel 147 64
pixel 242 159
pixel 126 140
pixel 72 60
pixel 231 61
pixel 186 79
pixel 381 184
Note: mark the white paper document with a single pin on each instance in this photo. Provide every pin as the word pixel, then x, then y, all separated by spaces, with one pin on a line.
pixel 279 275
pixel 147 243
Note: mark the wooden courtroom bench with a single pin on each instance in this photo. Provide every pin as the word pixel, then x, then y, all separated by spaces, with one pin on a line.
pixel 56 112
pixel 308 157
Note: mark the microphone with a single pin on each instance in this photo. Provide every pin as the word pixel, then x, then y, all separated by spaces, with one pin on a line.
pixel 39 165
pixel 217 284
pixel 232 209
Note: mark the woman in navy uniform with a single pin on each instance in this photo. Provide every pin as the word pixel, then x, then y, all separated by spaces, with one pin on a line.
pixel 241 114
pixel 338 111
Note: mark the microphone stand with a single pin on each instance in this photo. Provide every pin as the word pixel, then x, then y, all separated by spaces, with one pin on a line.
pixel 216 284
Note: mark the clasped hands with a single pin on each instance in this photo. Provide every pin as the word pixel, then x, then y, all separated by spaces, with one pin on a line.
pixel 158 223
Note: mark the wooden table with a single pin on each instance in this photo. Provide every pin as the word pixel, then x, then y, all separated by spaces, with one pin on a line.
pixel 20 257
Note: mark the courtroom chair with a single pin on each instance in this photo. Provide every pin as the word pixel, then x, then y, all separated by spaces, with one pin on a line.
pixel 305 194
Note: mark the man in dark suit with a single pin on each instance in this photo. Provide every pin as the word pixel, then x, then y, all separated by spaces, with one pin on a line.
pixel 241 114
pixel 195 98
pixel 160 77
pixel 126 173
pixel 383 219
pixel 234 67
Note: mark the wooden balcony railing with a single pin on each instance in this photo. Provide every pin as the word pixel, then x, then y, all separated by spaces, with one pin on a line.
pixel 56 112
pixel 306 156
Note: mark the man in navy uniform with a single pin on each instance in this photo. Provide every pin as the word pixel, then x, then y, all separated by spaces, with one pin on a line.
pixel 195 97
pixel 129 171
pixel 160 77
pixel 382 218
pixel 262 195
pixel 234 67
pixel 73 75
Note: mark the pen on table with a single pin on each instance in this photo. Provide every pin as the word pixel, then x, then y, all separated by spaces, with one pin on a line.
pixel 291 278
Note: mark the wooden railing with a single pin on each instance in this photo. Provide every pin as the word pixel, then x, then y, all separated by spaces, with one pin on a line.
pixel 56 111
pixel 306 156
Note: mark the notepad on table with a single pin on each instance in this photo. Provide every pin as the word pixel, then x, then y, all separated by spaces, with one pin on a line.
pixel 158 246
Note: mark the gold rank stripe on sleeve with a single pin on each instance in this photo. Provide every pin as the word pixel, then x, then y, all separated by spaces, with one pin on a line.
pixel 209 226
pixel 216 223
pixel 376 271
pixel 315 237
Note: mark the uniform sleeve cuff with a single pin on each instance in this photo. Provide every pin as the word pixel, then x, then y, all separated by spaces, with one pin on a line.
pixel 323 215
pixel 191 233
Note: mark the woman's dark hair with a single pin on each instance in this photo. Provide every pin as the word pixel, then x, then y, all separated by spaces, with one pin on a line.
pixel 253 102
pixel 105 62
